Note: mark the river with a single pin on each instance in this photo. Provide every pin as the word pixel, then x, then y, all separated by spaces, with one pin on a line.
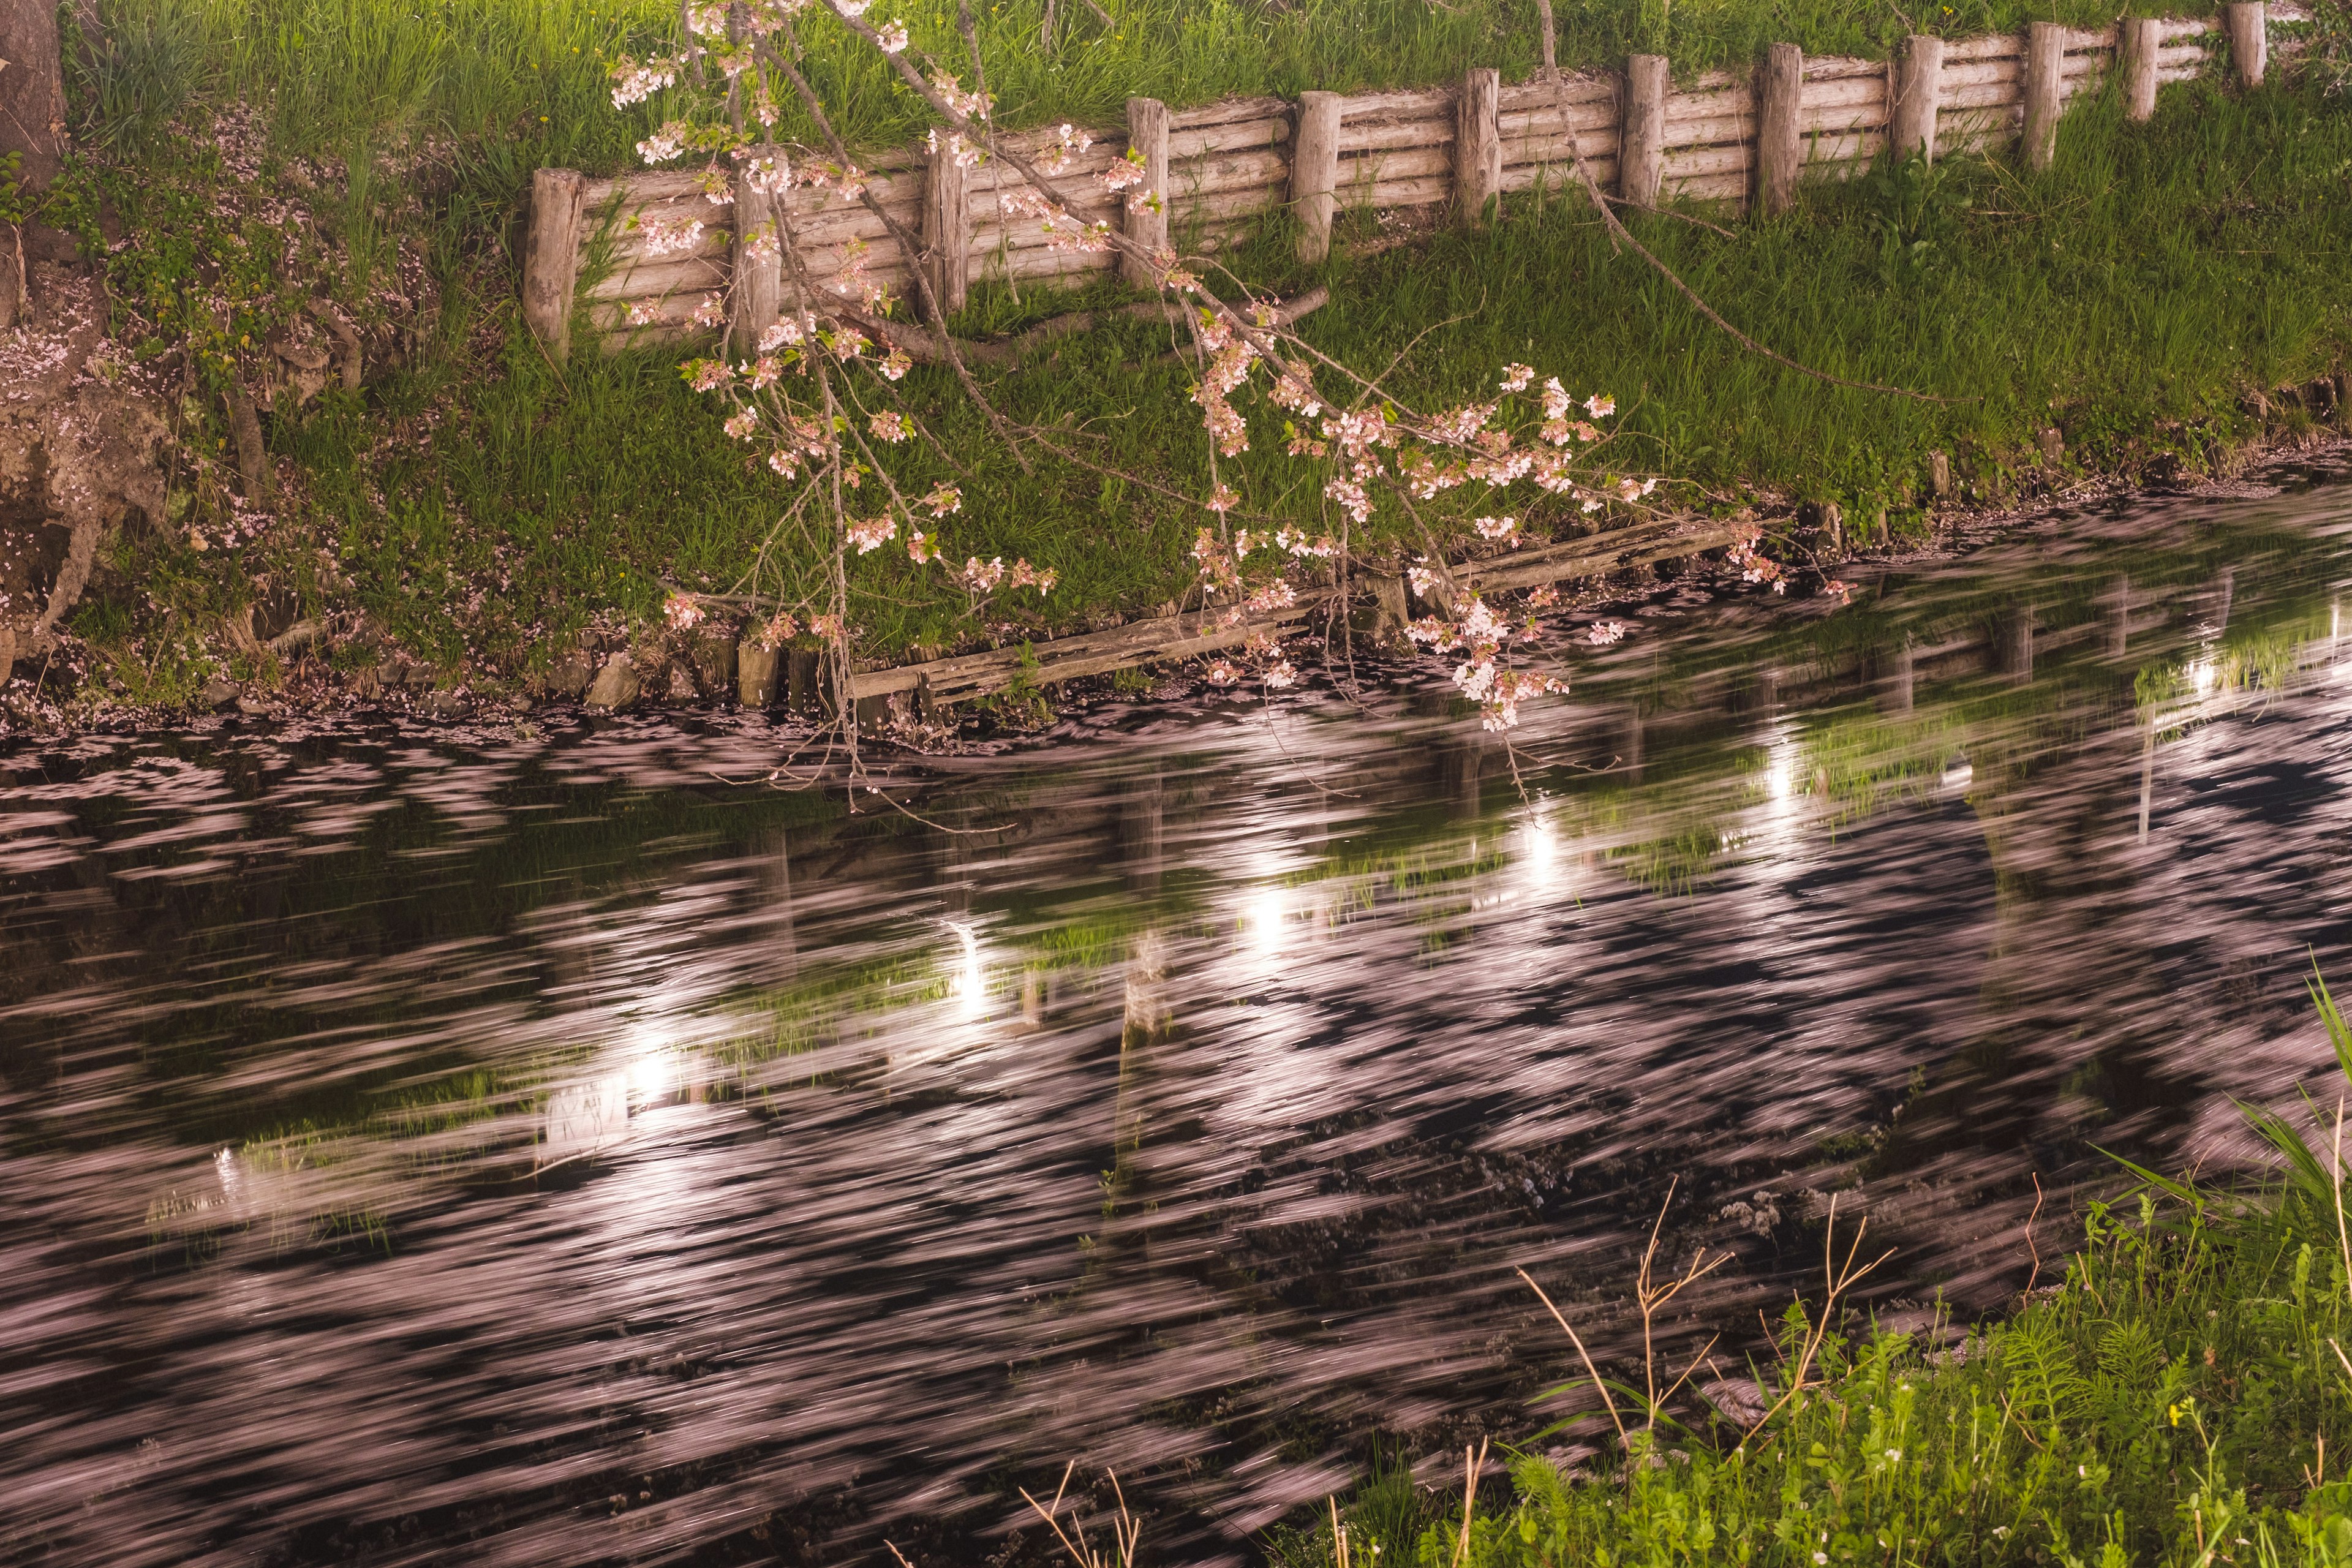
pixel 554 1142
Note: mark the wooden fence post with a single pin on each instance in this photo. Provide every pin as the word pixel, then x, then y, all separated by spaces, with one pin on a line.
pixel 755 265
pixel 2045 64
pixel 1147 222
pixel 947 230
pixel 1919 84
pixel 1315 172
pixel 1779 148
pixel 551 266
pixel 2249 40
pixel 1477 145
pixel 2136 42
pixel 1641 147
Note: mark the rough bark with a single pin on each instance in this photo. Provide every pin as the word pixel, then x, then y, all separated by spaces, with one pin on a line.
pixel 1918 85
pixel 1642 157
pixel 1315 172
pixel 1779 149
pixel 32 90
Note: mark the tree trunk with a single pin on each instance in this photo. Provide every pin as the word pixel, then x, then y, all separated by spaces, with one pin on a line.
pixel 32 90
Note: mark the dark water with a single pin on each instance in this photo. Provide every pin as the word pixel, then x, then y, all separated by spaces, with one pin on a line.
pixel 529 1146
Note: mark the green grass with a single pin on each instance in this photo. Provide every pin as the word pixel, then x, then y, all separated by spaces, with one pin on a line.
pixel 2130 296
pixel 486 507
pixel 329 71
pixel 2170 1403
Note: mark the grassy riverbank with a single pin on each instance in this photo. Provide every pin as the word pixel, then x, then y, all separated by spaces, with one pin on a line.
pixel 328 71
pixel 487 509
pixel 2182 1398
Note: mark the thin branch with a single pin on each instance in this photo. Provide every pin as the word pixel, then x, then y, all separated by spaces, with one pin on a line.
pixel 1585 1355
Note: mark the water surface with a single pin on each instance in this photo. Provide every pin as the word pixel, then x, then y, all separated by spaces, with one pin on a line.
pixel 557 1145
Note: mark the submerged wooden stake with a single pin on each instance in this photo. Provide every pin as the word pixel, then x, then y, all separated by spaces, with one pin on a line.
pixel 2045 64
pixel 1147 219
pixel 2137 40
pixel 550 266
pixel 1315 172
pixel 1779 148
pixel 1918 84
pixel 2249 40
pixel 1477 145
pixel 1642 152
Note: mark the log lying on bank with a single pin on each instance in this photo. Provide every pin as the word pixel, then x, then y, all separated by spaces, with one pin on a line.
pixel 1131 647
pixel 926 347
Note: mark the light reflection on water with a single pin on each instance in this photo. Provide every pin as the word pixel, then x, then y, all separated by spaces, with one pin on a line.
pixel 521 1148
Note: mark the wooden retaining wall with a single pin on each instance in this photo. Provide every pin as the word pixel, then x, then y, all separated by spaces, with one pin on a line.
pixel 1729 137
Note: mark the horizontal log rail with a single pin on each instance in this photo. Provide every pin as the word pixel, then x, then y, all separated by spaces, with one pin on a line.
pixel 1737 137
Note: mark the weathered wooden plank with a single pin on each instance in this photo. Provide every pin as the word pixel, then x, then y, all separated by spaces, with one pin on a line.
pixel 1991 95
pixel 1843 92
pixel 1599 554
pixel 1526 97
pixel 647 280
pixel 1240 136
pixel 1820 73
pixel 1981 73
pixel 1226 112
pixel 1404 163
pixel 1710 130
pixel 1734 104
pixel 1547 119
pixel 1689 162
pixel 1414 103
pixel 1388 135
pixel 1560 175
pixel 1240 170
pixel 1708 187
pixel 1243 203
pixel 1593 145
pixel 1823 153
pixel 1987 47
pixel 1420 191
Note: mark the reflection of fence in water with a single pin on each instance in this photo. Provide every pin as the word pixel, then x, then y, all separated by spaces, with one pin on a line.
pixel 1409 154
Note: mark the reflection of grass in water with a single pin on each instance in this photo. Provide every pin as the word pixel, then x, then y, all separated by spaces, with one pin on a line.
pixel 2264 657
pixel 1674 866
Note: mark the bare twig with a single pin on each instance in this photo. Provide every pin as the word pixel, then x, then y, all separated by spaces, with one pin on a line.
pixel 1583 1354
pixel 2030 1246
pixel 1471 1467
pixel 2343 1240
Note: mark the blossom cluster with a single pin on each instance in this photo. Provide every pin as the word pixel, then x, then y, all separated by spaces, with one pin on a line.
pixel 1756 567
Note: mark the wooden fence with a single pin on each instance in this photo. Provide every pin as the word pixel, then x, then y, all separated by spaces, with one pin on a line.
pixel 1731 137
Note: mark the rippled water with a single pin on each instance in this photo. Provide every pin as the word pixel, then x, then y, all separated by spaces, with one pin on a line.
pixel 556 1146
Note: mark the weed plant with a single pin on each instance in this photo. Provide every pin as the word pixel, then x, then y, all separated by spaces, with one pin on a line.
pixel 2183 1396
